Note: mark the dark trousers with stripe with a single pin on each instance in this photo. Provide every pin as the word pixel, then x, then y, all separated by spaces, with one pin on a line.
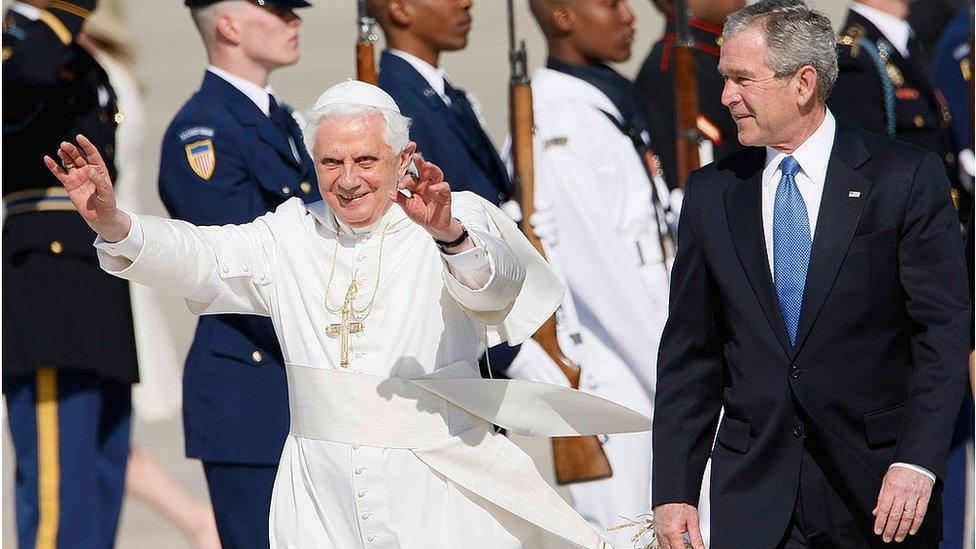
pixel 71 437
pixel 241 499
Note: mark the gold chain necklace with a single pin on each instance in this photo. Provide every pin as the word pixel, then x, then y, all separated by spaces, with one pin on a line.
pixel 361 314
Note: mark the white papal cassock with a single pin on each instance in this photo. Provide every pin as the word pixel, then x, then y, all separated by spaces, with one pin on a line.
pixel 374 457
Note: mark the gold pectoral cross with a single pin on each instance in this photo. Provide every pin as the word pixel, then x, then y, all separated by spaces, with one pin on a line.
pixel 347 325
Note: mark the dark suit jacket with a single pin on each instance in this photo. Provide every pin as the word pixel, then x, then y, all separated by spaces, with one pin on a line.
pixel 879 367
pixel 235 396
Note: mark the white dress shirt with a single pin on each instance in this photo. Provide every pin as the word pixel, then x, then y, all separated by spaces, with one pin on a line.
pixel 896 30
pixel 813 156
pixel 435 76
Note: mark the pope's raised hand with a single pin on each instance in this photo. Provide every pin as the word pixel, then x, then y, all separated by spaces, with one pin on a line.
pixel 429 203
pixel 84 175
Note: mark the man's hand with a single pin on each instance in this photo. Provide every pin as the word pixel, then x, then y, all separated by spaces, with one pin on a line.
pixel 902 502
pixel 672 521
pixel 429 204
pixel 85 176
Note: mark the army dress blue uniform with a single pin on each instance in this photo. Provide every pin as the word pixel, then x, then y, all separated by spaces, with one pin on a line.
pixel 654 87
pixel 69 355
pixel 882 90
pixel 448 133
pixel 224 160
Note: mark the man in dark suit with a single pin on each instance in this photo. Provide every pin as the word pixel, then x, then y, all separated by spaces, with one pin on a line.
pixel 814 297
pixel 231 154
pixel 654 85
pixel 445 122
pixel 67 376
pixel 883 85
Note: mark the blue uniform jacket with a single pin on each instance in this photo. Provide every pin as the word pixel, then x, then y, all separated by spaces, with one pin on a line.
pixel 467 165
pixel 224 161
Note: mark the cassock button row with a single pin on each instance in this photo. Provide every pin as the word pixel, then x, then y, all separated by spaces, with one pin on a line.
pixel 365 516
pixel 362 493
pixel 355 446
pixel 359 470
pixel 370 537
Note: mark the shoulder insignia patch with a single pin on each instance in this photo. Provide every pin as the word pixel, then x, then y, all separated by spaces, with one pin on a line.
pixel 202 158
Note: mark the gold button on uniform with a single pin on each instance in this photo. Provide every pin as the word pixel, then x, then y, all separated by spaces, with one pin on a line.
pixel 56 247
pixel 119 117
pixel 919 121
pixel 306 187
pixel 256 356
pixel 286 190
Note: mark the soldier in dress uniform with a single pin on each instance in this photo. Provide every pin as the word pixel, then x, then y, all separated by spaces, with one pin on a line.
pixel 67 376
pixel 232 153
pixel 445 120
pixel 654 85
pixel 883 84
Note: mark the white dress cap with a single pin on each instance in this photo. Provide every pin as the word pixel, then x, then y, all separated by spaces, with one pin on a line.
pixel 354 92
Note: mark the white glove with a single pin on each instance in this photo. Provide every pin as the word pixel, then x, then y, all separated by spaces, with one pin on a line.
pixel 543 222
pixel 533 364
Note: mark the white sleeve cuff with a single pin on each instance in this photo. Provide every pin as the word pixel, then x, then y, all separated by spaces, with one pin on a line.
pixel 129 247
pixel 916 468
pixel 471 267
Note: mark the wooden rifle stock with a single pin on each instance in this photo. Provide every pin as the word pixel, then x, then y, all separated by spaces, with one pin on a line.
pixel 576 459
pixel 365 56
pixel 688 138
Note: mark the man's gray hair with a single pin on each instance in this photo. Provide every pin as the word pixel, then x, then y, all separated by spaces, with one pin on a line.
pixel 396 134
pixel 795 36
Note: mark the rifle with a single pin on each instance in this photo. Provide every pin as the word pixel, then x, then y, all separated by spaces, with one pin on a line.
pixel 581 458
pixel 365 58
pixel 688 138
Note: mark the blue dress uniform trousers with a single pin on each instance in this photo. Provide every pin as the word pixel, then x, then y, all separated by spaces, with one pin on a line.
pixel 225 161
pixel 71 434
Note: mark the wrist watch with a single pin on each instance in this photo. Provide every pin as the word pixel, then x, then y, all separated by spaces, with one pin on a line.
pixel 456 242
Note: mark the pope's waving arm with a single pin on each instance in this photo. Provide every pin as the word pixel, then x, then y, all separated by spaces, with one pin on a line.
pixel 218 269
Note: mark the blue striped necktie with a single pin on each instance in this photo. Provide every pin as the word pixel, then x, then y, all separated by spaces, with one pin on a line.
pixel 791 246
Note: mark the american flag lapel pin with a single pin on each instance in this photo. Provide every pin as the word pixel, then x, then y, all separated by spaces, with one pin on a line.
pixel 854 194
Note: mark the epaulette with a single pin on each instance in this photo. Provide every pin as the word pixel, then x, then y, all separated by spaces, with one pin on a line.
pixel 851 37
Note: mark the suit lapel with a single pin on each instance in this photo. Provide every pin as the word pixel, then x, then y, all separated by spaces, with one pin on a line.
pixel 836 222
pixel 743 205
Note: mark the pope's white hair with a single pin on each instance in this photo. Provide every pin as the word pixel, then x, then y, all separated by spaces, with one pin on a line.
pixel 396 133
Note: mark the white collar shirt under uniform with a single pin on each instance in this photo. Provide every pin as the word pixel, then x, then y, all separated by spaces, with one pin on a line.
pixel 813 156
pixel 435 76
pixel 342 495
pixel 896 30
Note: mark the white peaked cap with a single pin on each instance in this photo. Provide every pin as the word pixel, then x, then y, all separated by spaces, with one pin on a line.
pixel 354 92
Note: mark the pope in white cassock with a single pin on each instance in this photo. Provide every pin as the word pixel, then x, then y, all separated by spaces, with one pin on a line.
pixel 382 296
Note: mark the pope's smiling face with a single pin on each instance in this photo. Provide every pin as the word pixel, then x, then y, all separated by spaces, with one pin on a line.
pixel 356 169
